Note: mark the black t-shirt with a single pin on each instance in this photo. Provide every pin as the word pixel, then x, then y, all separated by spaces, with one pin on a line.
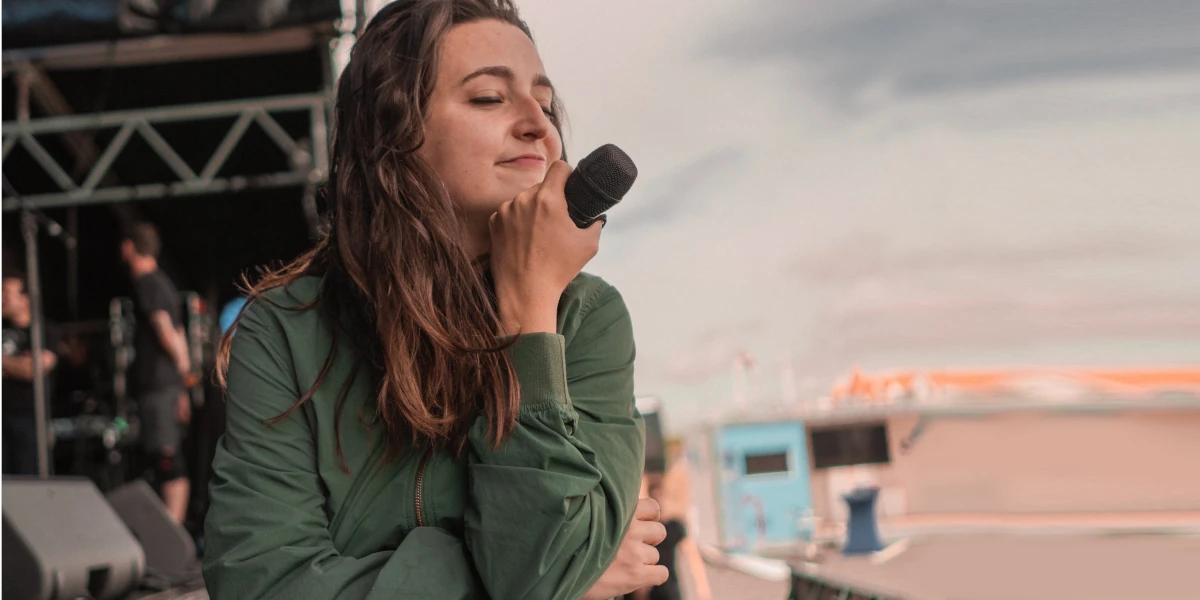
pixel 153 368
pixel 18 394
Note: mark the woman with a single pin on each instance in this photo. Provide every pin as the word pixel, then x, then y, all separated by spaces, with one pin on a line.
pixel 434 402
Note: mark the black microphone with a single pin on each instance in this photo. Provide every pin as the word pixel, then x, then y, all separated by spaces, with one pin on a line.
pixel 598 183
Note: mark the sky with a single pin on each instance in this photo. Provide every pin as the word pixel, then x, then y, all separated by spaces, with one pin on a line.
pixel 885 185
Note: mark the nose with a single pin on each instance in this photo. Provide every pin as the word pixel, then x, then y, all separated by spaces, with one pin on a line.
pixel 533 123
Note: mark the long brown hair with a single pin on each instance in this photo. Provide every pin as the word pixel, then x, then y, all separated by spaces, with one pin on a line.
pixel 397 276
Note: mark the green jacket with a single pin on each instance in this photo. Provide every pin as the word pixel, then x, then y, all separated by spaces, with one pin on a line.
pixel 542 517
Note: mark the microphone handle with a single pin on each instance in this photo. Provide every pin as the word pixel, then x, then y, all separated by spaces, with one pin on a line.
pixel 581 221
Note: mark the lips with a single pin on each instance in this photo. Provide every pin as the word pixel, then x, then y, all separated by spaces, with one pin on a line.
pixel 525 160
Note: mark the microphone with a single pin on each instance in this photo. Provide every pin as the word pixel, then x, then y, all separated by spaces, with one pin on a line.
pixel 598 183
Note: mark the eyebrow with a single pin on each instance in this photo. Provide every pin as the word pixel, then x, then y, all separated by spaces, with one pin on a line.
pixel 506 73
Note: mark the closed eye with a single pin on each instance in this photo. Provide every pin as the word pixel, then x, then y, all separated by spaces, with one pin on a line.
pixel 498 100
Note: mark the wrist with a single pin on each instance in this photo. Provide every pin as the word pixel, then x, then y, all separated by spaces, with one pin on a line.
pixel 528 318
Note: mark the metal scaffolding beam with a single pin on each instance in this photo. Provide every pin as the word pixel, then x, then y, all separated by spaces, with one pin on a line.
pixel 160 49
pixel 308 161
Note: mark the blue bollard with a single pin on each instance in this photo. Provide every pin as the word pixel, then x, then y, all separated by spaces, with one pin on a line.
pixel 862 530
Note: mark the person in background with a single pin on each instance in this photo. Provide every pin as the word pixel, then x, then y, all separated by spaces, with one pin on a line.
pixel 160 366
pixel 20 432
pixel 672 491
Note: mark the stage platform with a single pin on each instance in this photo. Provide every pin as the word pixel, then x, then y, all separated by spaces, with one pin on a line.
pixel 193 591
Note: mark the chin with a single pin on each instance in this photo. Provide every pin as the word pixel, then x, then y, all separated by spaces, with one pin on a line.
pixel 482 208
pixel 514 183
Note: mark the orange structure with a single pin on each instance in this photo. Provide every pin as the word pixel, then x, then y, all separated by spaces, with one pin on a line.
pixel 873 388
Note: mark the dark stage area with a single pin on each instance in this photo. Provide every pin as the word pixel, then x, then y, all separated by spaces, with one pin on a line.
pixel 206 119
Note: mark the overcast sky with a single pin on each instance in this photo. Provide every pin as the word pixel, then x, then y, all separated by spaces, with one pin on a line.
pixel 890 184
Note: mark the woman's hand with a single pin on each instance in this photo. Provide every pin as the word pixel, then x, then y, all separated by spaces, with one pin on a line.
pixel 536 251
pixel 636 565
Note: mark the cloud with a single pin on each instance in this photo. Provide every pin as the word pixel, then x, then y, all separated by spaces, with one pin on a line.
pixel 710 353
pixel 1013 327
pixel 904 315
pixel 694 366
pixel 861 50
pixel 867 255
pixel 672 195
pixel 739 329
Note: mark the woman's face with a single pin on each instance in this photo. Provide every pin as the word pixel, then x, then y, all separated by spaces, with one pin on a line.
pixel 488 129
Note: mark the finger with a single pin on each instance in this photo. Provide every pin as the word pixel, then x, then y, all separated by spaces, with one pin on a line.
pixel 647 510
pixel 655 575
pixel 556 176
pixel 648 532
pixel 527 195
pixel 505 213
pixel 652 532
pixel 648 555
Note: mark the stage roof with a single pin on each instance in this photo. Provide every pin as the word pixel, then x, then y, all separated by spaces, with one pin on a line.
pixel 30 24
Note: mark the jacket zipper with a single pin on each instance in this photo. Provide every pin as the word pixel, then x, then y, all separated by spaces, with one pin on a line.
pixel 420 503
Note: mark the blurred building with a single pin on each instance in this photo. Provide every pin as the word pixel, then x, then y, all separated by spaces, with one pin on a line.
pixel 1038 448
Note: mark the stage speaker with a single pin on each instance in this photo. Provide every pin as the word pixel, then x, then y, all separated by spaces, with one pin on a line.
pixel 169 549
pixel 62 540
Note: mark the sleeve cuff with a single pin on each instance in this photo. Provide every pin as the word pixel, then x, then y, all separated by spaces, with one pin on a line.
pixel 540 360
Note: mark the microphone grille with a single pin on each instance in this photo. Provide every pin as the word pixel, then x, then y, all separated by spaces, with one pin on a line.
pixel 598 182
pixel 609 170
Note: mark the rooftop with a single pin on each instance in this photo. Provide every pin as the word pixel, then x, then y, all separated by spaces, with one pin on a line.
pixel 982 567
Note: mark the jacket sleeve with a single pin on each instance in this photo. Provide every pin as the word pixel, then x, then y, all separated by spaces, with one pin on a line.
pixel 547 511
pixel 267 531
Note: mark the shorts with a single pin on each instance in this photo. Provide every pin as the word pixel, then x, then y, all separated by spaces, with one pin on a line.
pixel 162 435
pixel 163 468
pixel 161 432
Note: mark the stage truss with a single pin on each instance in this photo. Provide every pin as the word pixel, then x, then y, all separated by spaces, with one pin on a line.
pixel 308 160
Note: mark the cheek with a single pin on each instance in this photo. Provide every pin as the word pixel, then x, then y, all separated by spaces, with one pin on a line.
pixel 454 145
pixel 459 156
pixel 433 152
pixel 556 145
pixel 434 148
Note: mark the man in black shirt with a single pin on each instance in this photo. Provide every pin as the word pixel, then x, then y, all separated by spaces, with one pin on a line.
pixel 20 431
pixel 160 365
